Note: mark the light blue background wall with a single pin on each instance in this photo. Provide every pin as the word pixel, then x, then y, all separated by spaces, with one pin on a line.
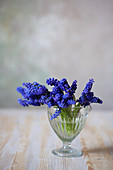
pixel 44 38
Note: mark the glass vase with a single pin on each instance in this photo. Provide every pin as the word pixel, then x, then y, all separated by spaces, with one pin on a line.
pixel 67 126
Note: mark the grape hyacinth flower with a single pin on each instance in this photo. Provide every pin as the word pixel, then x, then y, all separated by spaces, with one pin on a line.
pixel 61 96
pixel 87 96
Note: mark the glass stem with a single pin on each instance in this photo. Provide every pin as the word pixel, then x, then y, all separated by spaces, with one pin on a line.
pixel 66 145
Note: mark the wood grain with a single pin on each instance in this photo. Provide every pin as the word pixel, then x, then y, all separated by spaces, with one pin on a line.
pixel 26 142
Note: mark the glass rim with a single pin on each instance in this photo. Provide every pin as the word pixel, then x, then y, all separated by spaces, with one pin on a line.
pixel 81 107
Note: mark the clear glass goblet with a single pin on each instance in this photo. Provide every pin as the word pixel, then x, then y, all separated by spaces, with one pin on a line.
pixel 67 126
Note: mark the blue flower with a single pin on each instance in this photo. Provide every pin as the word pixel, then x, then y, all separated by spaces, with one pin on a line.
pixel 88 86
pixel 73 86
pixel 42 90
pixel 27 85
pixel 71 101
pixel 21 90
pixel 87 96
pixel 57 97
pixel 52 81
pixel 56 90
pixel 56 114
pixel 23 102
pixel 96 100
pixel 66 96
pixel 32 93
pixel 63 104
pixel 62 94
pixel 49 101
pixel 63 84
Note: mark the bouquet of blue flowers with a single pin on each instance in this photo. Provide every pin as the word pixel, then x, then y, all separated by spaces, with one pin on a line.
pixel 62 96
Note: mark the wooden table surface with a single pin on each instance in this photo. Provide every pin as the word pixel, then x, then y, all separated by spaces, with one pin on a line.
pixel 26 142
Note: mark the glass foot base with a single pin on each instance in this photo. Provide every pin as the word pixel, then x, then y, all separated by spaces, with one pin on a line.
pixel 67 152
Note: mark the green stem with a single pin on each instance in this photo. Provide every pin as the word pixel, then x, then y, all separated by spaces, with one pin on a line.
pixel 67 115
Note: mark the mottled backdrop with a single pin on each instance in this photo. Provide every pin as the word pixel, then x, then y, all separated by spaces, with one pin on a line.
pixel 60 38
